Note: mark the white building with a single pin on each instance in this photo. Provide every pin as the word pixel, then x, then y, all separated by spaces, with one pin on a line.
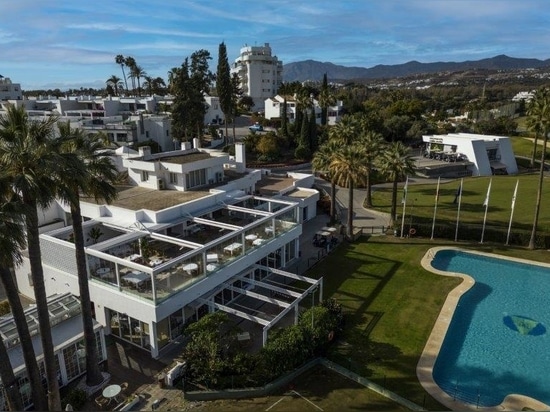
pixel 487 155
pixel 260 73
pixel 9 90
pixel 274 109
pixel 190 234
pixel 68 342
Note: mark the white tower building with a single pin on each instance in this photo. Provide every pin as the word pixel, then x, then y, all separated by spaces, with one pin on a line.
pixel 260 73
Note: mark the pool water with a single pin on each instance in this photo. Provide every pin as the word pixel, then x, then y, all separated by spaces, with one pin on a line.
pixel 497 343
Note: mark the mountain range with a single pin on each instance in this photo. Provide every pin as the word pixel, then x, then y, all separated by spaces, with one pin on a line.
pixel 314 70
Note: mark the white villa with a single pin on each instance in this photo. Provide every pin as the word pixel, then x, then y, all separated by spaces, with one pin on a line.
pixel 274 109
pixel 9 90
pixel 193 232
pixel 487 155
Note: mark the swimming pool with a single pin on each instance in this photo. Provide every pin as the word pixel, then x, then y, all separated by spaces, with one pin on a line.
pixel 497 342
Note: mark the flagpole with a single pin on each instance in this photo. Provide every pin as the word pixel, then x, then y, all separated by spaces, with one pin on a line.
pixel 435 206
pixel 458 210
pixel 404 201
pixel 486 203
pixel 512 212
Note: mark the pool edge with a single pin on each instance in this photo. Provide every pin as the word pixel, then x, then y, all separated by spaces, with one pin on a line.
pixel 424 368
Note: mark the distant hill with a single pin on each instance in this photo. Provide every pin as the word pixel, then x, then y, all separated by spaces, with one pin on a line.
pixel 314 70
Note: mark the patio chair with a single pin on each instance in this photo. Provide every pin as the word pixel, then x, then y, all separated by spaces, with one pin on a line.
pixel 101 401
pixel 124 387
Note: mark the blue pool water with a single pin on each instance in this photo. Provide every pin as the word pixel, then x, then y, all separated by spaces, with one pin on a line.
pixel 497 342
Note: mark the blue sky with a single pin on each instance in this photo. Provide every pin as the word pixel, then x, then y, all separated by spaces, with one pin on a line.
pixel 72 44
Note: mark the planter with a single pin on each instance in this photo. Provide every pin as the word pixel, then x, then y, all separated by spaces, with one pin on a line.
pixel 128 405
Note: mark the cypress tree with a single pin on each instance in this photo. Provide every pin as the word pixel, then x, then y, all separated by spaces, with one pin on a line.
pixel 324 97
pixel 223 84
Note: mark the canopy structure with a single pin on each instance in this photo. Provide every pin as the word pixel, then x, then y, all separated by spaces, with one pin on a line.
pixel 246 294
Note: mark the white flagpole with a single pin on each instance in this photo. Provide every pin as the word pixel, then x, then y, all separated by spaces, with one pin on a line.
pixel 512 212
pixel 435 206
pixel 486 204
pixel 458 210
pixel 404 201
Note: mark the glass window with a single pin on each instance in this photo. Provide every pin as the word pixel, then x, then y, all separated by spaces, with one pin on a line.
pixel 144 175
pixel 173 178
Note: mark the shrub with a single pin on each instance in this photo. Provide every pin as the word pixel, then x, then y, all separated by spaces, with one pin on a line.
pixel 76 398
pixel 4 308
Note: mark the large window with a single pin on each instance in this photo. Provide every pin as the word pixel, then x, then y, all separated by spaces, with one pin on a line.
pixel 195 178
pixel 174 178
pixel 144 175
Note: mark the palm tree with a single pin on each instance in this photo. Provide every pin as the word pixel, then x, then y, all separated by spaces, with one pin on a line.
pixel 114 82
pixel 348 169
pixel 12 241
pixel 149 83
pixel 137 72
pixel 540 115
pixel 172 76
pixel 92 177
pixel 29 159
pixel 321 163
pixel 120 59
pixel 130 62
pixel 373 143
pixel 395 163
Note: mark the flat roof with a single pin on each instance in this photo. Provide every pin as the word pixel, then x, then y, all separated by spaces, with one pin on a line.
pixel 137 198
pixel 299 193
pixel 182 158
pixel 270 184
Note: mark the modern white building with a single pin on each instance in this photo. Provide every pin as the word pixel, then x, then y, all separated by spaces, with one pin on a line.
pixel 274 109
pixel 9 90
pixel 193 232
pixel 487 155
pixel 260 73
pixel 68 341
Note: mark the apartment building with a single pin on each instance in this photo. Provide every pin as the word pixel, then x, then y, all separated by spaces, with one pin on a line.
pixel 9 90
pixel 273 107
pixel 260 73
pixel 193 232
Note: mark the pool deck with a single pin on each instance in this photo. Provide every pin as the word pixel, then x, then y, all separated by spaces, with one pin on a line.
pixel 424 369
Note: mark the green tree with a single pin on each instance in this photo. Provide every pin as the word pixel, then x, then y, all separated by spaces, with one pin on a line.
pixel 223 84
pixel 114 82
pixel 395 163
pixel 236 94
pixel 130 62
pixel 137 73
pixel 284 119
pixel 267 147
pixel 321 163
pixel 539 111
pixel 30 160
pixel 326 99
pixel 373 144
pixel 180 88
pixel 92 175
pixel 121 60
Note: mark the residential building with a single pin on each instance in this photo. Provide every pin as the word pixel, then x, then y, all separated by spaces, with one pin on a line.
pixel 68 341
pixel 260 73
pixel 273 107
pixel 193 232
pixel 9 90
pixel 486 155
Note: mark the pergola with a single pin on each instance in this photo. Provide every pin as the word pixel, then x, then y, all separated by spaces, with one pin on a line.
pixel 291 302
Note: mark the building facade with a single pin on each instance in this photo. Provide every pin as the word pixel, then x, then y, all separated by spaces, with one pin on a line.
pixel 260 73
pixel 273 107
pixel 9 90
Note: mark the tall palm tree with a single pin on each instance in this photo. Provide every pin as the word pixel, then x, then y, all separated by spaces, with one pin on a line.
pixel 540 115
pixel 373 143
pixel 172 76
pixel 395 163
pixel 130 62
pixel 348 169
pixel 149 84
pixel 137 73
pixel 29 158
pixel 321 163
pixel 93 177
pixel 114 82
pixel 12 241
pixel 120 59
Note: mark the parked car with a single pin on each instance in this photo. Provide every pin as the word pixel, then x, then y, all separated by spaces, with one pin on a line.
pixel 256 127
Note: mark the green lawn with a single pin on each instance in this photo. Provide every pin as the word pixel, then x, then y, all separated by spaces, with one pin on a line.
pixel 391 305
pixel 421 200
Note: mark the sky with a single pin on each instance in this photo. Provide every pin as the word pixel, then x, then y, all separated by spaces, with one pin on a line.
pixel 71 44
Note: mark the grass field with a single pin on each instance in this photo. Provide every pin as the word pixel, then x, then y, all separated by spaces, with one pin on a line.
pixel 421 200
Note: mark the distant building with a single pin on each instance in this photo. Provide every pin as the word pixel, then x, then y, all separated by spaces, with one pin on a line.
pixel 9 90
pixel 274 109
pixel 486 155
pixel 260 73
pixel 526 96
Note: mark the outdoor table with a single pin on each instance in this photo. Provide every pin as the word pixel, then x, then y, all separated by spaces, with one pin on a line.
pixel 268 230
pixel 155 261
pixel 190 267
pixel 232 247
pixel 251 237
pixel 211 267
pixel 102 272
pixel 136 278
pixel 329 229
pixel 258 242
pixel 133 257
pixel 212 258
pixel 111 392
